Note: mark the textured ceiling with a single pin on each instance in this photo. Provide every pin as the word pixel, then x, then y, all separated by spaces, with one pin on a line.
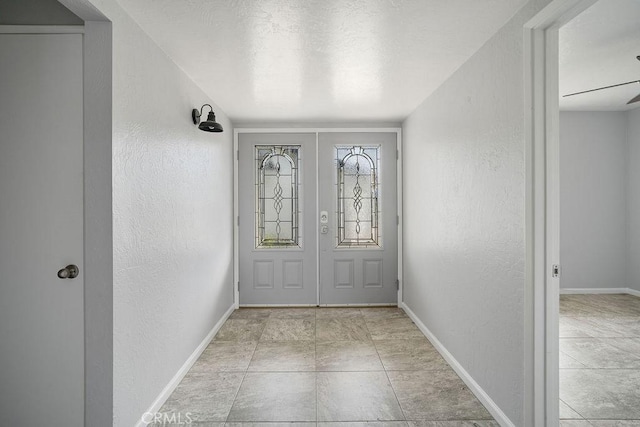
pixel 320 60
pixel 599 48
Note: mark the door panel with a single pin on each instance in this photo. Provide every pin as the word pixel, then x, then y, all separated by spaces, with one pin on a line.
pixel 358 249
pixel 277 199
pixel 41 230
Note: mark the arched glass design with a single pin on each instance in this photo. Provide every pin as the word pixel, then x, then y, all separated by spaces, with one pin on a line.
pixel 358 215
pixel 277 181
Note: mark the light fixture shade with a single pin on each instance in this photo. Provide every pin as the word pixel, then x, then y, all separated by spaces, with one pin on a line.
pixel 210 125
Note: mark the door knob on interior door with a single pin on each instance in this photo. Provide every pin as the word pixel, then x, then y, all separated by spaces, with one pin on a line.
pixel 71 271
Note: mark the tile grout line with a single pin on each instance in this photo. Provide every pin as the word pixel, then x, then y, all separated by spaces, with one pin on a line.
pixel 571 407
pixel 386 374
pixel 244 376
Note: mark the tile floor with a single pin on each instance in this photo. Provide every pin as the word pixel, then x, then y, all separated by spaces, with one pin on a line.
pixel 599 360
pixel 324 365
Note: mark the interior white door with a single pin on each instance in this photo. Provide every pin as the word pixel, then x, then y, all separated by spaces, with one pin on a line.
pixel 41 230
pixel 359 238
pixel 277 202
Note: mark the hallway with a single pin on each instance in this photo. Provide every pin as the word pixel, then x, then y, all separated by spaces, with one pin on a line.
pixel 325 365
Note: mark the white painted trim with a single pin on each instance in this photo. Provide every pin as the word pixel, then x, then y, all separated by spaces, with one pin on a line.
pixel 275 305
pixel 541 216
pixel 587 291
pixel 41 29
pixel 399 212
pixel 171 386
pixel 314 305
pixel 475 388
pixel 236 228
pixel 361 305
pixel 98 222
pixel 317 180
pixel 317 131
pixel 633 292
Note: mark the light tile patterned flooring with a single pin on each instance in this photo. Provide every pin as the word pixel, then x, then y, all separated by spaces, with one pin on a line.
pixel 599 360
pixel 324 365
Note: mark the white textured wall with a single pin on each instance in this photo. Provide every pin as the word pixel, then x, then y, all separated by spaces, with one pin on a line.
pixel 172 213
pixel 593 199
pixel 464 215
pixel 633 158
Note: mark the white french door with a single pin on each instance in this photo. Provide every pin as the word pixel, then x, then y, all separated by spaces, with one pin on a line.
pixel 317 218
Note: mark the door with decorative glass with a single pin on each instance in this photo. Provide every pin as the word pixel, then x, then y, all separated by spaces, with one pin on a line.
pixel 358 249
pixel 277 199
pixel 338 213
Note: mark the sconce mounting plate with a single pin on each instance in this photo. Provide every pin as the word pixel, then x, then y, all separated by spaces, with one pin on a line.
pixel 195 115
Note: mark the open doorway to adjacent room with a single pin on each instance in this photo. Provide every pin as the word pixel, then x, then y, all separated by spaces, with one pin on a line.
pixel 599 221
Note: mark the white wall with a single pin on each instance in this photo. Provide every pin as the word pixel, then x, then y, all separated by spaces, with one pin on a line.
pixel 172 213
pixel 464 215
pixel 633 158
pixel 593 199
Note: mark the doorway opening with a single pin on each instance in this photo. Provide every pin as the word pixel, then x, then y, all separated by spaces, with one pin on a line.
pixel 318 217
pixel 598 143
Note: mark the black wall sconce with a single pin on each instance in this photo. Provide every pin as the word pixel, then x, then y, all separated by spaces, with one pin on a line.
pixel 209 125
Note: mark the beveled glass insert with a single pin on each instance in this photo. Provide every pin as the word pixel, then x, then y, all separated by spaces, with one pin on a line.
pixel 357 190
pixel 277 189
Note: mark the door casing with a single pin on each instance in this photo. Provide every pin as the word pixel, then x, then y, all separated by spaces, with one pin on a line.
pixel 542 210
pixel 236 210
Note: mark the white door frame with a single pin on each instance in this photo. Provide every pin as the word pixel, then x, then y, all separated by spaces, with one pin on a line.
pixel 236 210
pixel 541 50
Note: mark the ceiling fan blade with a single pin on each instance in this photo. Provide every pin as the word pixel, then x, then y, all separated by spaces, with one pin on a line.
pixel 601 88
pixel 636 99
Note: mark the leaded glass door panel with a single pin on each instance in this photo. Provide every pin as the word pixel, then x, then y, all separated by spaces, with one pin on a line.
pixel 358 244
pixel 277 233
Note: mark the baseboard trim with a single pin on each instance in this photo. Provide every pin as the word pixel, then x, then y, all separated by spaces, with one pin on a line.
pixel 578 291
pixel 475 388
pixel 391 304
pixel 171 386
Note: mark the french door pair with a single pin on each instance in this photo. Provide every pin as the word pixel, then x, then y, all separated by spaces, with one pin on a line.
pixel 317 218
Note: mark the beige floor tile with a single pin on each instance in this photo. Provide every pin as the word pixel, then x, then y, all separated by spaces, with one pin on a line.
pixel 363 424
pixel 393 328
pixel 566 413
pixel 204 397
pixel 270 396
pixel 274 356
pixel 435 395
pixel 241 330
pixel 294 313
pixel 599 353
pixel 356 396
pixel 602 393
pixel 289 330
pixel 251 313
pixel 347 356
pixel 225 356
pixel 337 312
pixel 341 329
pixel 409 355
pixel 457 423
